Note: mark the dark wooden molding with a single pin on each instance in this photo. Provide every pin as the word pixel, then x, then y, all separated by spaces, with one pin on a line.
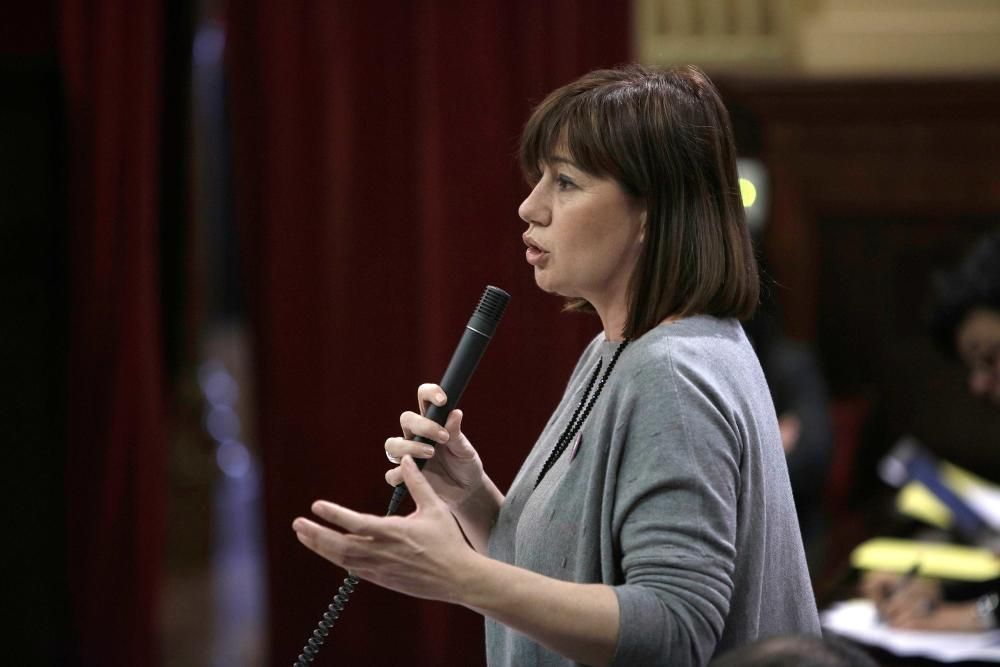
pixel 863 149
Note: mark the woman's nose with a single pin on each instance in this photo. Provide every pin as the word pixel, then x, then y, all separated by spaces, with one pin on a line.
pixel 533 210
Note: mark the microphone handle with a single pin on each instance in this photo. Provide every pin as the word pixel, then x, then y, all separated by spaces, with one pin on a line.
pixel 456 377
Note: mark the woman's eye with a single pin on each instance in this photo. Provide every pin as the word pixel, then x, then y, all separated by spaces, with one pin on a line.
pixel 564 182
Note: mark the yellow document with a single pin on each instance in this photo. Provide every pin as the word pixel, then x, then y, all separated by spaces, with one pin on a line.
pixel 932 559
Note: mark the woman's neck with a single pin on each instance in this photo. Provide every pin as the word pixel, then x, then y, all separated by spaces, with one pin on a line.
pixel 614 323
pixel 613 320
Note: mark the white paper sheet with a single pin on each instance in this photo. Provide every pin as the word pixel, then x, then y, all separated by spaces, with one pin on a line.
pixel 857 620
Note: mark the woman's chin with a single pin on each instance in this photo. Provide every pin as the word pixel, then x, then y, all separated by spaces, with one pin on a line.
pixel 542 280
pixel 545 284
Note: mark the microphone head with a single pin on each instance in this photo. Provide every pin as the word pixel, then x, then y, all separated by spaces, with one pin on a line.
pixel 488 312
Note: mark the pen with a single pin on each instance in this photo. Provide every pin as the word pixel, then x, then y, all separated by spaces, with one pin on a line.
pixel 904 581
pixel 890 590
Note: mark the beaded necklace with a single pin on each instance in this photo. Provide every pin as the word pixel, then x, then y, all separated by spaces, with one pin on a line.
pixel 576 421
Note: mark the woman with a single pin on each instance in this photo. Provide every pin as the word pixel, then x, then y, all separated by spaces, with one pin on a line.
pixel 965 324
pixel 965 318
pixel 652 523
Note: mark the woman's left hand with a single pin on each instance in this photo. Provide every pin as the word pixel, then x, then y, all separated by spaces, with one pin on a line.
pixel 423 554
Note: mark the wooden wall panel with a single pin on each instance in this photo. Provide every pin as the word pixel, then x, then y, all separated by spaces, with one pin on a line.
pixel 875 184
pixel 865 150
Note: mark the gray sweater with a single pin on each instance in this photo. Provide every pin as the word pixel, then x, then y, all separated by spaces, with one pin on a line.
pixel 676 495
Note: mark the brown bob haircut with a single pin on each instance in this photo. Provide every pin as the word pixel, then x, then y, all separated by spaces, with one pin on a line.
pixel 665 137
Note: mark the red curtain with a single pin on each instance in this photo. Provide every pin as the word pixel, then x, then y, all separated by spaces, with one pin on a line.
pixel 111 57
pixel 377 188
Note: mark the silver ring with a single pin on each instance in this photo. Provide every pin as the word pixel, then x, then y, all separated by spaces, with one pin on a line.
pixel 392 459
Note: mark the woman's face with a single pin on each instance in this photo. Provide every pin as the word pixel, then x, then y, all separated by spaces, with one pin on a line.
pixel 978 343
pixel 584 234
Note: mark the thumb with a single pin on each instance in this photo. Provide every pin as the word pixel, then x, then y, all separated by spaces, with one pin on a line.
pixel 417 484
pixel 457 444
pixel 454 423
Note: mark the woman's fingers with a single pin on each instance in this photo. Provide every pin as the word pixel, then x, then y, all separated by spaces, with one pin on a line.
pixel 415 425
pixel 430 393
pixel 397 448
pixel 457 445
pixel 357 523
pixel 344 550
pixel 420 488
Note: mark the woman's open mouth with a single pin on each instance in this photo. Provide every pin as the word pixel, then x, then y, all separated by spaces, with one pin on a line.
pixel 534 254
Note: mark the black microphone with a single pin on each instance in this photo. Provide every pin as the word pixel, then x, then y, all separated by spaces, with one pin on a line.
pixel 464 360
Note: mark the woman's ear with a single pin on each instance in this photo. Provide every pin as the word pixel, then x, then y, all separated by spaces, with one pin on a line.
pixel 642 227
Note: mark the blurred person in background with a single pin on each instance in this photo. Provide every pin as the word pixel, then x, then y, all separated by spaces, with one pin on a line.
pixel 799 391
pixel 965 321
pixel 965 325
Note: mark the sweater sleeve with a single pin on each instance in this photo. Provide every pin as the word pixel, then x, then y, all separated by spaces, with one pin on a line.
pixel 674 516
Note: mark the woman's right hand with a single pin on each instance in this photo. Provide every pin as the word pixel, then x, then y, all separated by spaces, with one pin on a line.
pixel 453 469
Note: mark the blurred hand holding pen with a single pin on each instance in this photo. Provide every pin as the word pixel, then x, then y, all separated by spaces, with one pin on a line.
pixel 913 602
pixel 900 597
